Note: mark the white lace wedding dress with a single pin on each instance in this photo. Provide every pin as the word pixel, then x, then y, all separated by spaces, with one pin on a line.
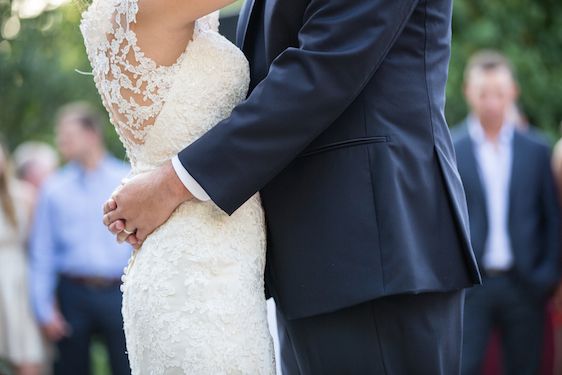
pixel 193 295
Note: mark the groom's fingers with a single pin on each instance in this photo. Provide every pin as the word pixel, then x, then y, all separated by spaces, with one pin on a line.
pixel 109 205
pixel 113 216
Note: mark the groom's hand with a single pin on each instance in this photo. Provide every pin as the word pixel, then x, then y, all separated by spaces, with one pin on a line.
pixel 144 203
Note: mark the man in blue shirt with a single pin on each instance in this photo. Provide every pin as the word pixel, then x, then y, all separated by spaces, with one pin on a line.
pixel 76 264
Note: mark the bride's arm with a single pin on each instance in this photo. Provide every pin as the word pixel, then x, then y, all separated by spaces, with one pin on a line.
pixel 179 12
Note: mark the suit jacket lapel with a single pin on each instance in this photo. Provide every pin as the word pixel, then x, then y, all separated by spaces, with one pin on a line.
pixel 268 12
pixel 243 21
pixel 516 166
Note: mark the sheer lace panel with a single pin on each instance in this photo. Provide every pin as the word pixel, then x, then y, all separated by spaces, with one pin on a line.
pixel 133 85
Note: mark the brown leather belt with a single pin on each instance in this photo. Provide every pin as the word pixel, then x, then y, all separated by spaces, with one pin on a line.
pixel 93 281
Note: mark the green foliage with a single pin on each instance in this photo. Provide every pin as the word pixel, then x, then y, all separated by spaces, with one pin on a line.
pixel 37 75
pixel 529 33
pixel 100 358
pixel 37 67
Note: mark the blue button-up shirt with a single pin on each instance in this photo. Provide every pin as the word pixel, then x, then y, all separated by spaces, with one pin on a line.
pixel 68 236
pixel 494 164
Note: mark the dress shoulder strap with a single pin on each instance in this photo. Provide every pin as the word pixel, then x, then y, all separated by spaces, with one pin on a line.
pixel 210 22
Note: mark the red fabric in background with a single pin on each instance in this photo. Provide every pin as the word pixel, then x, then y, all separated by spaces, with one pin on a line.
pixel 493 359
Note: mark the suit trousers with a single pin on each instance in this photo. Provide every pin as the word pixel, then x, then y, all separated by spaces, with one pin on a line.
pixel 504 304
pixel 90 311
pixel 400 334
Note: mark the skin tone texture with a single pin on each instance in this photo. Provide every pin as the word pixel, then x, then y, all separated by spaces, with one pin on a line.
pixel 490 95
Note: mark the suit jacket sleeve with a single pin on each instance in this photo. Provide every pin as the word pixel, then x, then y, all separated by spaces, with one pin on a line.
pixel 341 45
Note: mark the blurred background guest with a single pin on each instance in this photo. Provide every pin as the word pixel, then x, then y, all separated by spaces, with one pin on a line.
pixel 20 340
pixel 516 117
pixel 514 219
pixel 34 162
pixel 76 264
pixel 557 165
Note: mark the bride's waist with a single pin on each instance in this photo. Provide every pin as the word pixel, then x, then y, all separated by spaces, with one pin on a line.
pixel 196 219
pixel 140 165
pixel 152 154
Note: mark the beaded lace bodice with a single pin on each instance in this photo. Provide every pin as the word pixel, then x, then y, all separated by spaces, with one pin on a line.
pixel 136 90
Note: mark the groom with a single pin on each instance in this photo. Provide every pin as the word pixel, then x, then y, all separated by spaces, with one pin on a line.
pixel 344 135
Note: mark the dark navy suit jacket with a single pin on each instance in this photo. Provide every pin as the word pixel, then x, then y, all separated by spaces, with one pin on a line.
pixel 534 214
pixel 345 137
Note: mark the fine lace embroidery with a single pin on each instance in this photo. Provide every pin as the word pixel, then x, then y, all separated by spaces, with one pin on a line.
pixel 132 85
pixel 193 301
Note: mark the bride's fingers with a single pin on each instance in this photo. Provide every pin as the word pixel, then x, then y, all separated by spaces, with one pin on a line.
pixel 110 218
pixel 134 241
pixel 122 236
pixel 141 235
pixel 117 226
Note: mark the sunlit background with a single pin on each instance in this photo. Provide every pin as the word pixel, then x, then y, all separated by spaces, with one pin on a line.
pixel 41 48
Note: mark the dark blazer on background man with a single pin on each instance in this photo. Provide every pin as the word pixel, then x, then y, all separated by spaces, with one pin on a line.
pixel 534 217
pixel 345 137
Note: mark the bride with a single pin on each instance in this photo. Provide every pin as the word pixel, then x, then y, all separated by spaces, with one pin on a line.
pixel 193 293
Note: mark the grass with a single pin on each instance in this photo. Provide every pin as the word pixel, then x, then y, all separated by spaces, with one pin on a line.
pixel 100 359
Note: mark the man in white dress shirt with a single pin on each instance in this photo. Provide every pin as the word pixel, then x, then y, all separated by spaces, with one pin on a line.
pixel 514 220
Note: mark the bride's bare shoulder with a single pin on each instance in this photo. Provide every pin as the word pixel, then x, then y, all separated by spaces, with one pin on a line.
pixel 180 12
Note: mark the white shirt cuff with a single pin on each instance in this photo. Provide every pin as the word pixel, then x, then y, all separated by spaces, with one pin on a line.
pixel 188 181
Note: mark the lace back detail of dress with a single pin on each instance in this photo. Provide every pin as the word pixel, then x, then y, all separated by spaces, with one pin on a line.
pixel 133 86
pixel 208 23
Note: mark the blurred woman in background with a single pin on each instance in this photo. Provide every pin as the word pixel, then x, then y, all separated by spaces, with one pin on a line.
pixel 20 339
